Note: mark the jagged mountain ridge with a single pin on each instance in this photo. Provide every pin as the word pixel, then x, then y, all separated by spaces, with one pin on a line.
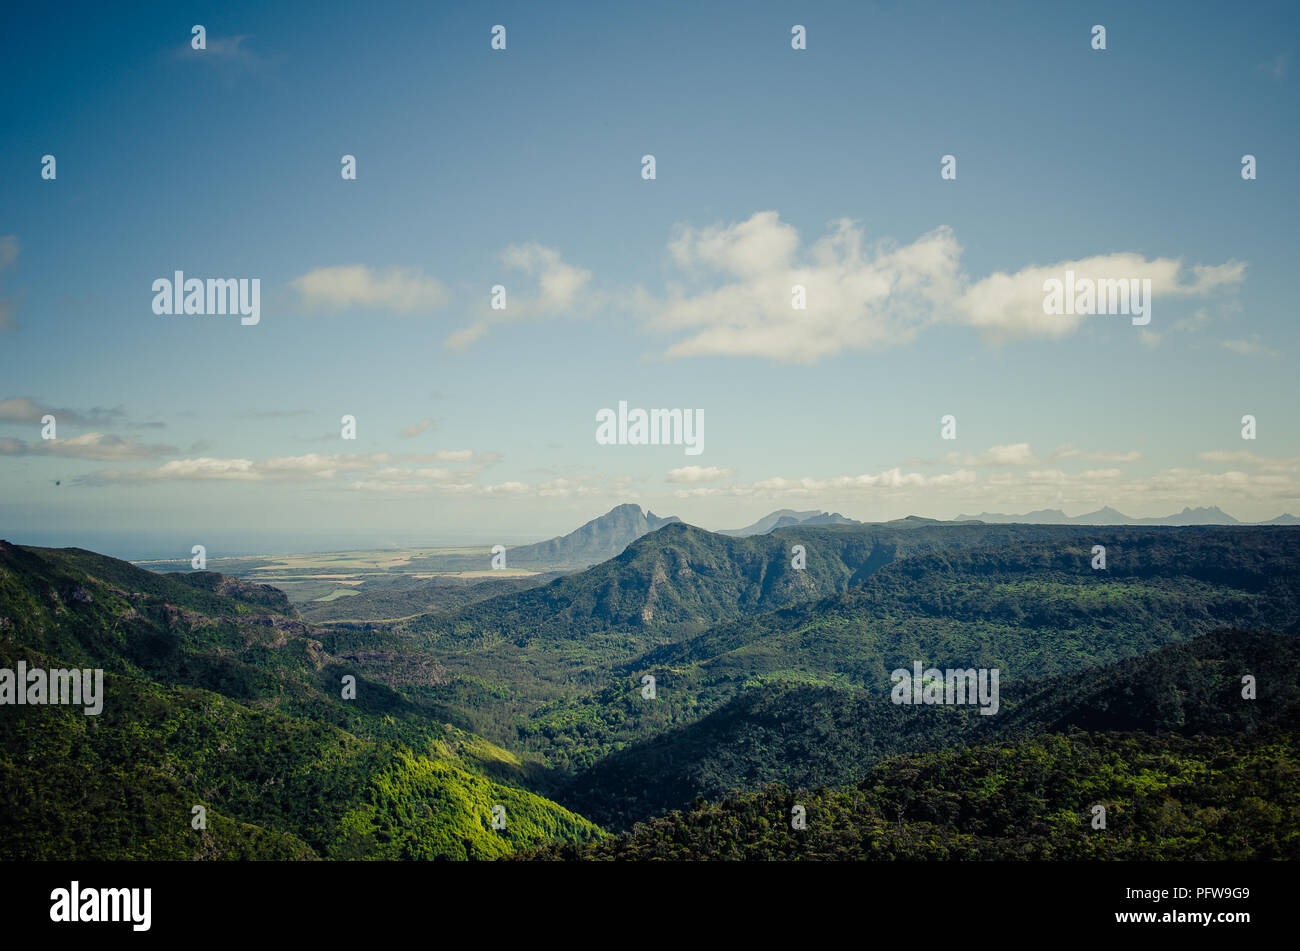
pixel 785 518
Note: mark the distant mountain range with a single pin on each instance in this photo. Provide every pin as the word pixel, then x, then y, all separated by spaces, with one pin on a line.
pixel 608 535
pixel 1109 516
pixel 784 518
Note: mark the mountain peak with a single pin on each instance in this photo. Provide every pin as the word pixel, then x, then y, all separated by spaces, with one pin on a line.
pixel 1286 518
pixel 600 539
pixel 1105 511
pixel 787 518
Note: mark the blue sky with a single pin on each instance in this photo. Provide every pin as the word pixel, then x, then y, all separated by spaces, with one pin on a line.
pixel 522 167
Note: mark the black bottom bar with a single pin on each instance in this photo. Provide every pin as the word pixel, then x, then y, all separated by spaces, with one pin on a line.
pixel 660 902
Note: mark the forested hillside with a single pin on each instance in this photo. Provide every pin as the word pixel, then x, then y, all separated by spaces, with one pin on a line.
pixel 806 735
pixel 1166 797
pixel 1024 600
pixel 218 697
pixel 661 694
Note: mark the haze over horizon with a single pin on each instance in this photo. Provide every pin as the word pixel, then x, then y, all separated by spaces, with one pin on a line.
pixel 158 546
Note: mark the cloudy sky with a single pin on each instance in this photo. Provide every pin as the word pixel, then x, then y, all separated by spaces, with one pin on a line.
pixel 522 168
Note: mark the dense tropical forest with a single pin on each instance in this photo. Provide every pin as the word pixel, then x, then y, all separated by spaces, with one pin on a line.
pixel 678 700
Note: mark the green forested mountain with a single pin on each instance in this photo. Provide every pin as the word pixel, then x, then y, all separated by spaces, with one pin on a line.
pixel 217 696
pixel 1034 607
pixel 677 578
pixel 680 595
pixel 598 540
pixel 1165 797
pixel 1029 607
pixel 222 695
pixel 799 734
pixel 816 735
pixel 1191 688
pixel 511 654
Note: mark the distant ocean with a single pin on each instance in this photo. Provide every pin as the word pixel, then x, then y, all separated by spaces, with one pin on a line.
pixel 162 545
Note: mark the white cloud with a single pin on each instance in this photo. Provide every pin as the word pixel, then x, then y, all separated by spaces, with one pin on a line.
pixel 1007 305
pixel 415 429
pixel 1243 456
pixel 699 474
pixel 1032 477
pixel 22 409
pixel 1275 67
pixel 348 286
pixel 1011 454
pixel 203 468
pixel 462 338
pixel 560 289
pixel 841 486
pixel 558 283
pixel 737 299
pixel 228 55
pixel 1248 348
pixel 856 298
pixel 750 248
pixel 226 47
pixel 310 467
pixel 1023 489
pixel 1015 454
pixel 98 446
pixel 1067 451
pixel 1198 321
pixel 444 483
